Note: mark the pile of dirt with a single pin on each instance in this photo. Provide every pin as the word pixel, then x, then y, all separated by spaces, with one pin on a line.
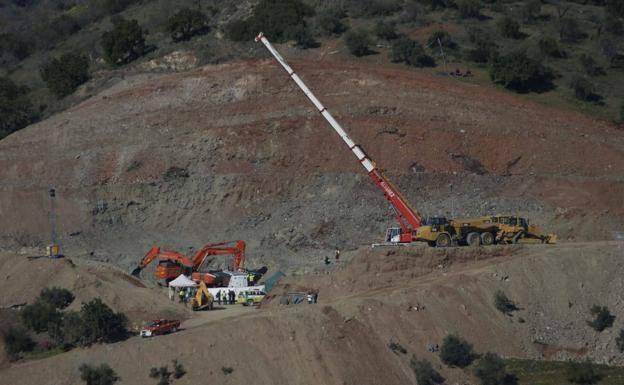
pixel 412 297
pixel 235 151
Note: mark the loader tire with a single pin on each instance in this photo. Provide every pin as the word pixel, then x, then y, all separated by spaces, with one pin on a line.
pixel 487 239
pixel 473 239
pixel 174 329
pixel 443 240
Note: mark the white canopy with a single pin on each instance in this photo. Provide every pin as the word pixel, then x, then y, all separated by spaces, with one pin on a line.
pixel 182 281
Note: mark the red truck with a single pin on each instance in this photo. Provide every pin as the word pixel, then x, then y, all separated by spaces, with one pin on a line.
pixel 160 326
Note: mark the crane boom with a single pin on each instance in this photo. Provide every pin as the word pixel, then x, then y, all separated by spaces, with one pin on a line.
pixel 408 218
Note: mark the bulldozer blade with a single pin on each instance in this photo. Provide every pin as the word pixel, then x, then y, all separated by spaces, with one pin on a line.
pixel 136 271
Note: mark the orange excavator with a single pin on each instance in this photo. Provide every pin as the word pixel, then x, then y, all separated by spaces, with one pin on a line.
pixel 171 264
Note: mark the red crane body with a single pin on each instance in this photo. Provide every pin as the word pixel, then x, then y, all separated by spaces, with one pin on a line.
pixel 408 218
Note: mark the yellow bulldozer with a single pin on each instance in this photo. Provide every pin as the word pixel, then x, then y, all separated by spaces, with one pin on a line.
pixel 203 299
pixel 486 230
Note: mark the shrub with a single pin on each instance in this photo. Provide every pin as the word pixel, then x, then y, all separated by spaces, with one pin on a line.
pixel 484 49
pixel 622 112
pixel 187 23
pixel 590 66
pixel 490 369
pixel 516 71
pixel 602 317
pixel 531 10
pixel 456 351
pixel 16 109
pixel 614 25
pixel 16 341
pixel 550 47
pixel 509 28
pixel 302 37
pixel 425 373
pixel 584 90
pixel 60 298
pixel 227 370
pixel 101 324
pixel 111 7
pixel 178 370
pixel 15 45
pixel 615 7
pixel 469 8
pixel 39 315
pixel 124 43
pixel 396 347
pixel 372 8
pixel 65 74
pixel 570 30
pixel 63 26
pixel 503 303
pixel 410 52
pixel 273 17
pixel 385 30
pixel 441 37
pixel 162 373
pixel 98 375
pixel 330 22
pixel 619 340
pixel 581 373
pixel 437 4
pixel 358 42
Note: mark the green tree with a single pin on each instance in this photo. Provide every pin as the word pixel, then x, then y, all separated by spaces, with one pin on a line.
pixel 584 89
pixel 16 341
pixel 124 43
pixel 16 109
pixel 39 315
pixel 469 8
pixel 187 23
pixel 590 66
pixel 98 375
pixel 616 7
pixel 550 47
pixel 373 8
pixel 330 22
pixel 516 71
pixel 302 37
pixel 509 28
pixel 441 37
pixel 490 369
pixel 456 351
pixel 531 10
pixel 410 52
pixel 101 324
pixel 273 17
pixel 425 373
pixel 60 298
pixel 582 373
pixel 385 30
pixel 65 74
pixel 15 45
pixel 602 318
pixel 358 42
pixel 622 112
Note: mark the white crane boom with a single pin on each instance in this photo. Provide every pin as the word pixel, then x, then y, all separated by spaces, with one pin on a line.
pixel 356 149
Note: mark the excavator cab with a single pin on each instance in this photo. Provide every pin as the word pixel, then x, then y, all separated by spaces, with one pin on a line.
pixel 393 235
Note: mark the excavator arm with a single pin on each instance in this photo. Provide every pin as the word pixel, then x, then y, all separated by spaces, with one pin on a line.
pixel 213 249
pixel 408 218
pixel 156 253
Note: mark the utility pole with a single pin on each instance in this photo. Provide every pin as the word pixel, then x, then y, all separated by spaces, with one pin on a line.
pixel 54 250
pixel 443 57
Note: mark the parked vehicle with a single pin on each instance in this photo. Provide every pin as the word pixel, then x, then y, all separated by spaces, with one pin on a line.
pixel 250 297
pixel 160 326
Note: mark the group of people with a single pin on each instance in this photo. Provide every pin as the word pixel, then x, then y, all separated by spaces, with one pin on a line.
pixel 184 294
pixel 226 297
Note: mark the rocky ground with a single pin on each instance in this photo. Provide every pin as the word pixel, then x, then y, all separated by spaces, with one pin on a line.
pixel 235 151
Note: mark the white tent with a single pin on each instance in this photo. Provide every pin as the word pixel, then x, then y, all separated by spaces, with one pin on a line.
pixel 182 281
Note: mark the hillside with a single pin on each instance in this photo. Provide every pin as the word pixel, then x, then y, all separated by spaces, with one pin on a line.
pixel 180 160
pixel 370 302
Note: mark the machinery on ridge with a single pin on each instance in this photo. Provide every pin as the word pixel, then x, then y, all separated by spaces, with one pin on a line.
pixel 436 231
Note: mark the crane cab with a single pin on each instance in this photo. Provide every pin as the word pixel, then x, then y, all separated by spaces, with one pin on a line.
pixel 396 235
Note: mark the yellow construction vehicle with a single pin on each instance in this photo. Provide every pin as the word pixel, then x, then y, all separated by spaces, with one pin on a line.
pixel 203 299
pixel 486 230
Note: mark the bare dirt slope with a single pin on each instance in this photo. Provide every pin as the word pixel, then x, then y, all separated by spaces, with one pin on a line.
pixel 236 151
pixel 369 302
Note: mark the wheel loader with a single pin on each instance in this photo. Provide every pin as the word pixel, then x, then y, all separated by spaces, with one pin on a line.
pixel 203 299
pixel 486 230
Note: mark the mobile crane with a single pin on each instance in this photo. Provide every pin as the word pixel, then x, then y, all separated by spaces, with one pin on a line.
pixel 436 231
pixel 172 264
